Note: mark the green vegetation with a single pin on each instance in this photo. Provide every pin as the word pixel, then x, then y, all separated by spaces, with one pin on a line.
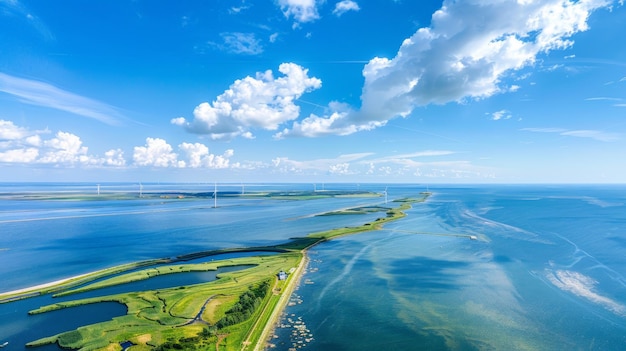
pixel 248 302
pixel 233 312
pixel 184 195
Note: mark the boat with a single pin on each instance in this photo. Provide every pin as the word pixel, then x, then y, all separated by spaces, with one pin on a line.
pixel 4 344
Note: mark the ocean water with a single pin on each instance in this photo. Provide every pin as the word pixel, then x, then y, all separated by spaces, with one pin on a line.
pixel 546 272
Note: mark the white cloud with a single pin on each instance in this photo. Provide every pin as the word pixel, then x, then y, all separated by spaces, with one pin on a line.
pixel 427 164
pixel 468 51
pixel 273 37
pixel 340 168
pixel 114 158
pixel 238 9
pixel 263 102
pixel 27 155
pixel 199 156
pixel 47 95
pixel 424 164
pixel 502 114
pixel 544 130
pixel 426 153
pixel 591 134
pixel 21 145
pixel 345 6
pixel 241 43
pixel 302 11
pixel 156 153
pixel 15 8
pixel 332 165
pixel 9 131
pixel 603 99
pixel 65 148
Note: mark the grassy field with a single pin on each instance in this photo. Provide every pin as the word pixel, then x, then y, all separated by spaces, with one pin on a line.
pixel 235 312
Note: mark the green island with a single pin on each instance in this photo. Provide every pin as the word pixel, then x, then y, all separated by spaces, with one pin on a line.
pixel 237 311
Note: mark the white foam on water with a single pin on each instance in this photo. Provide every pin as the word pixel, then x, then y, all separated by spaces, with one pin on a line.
pixel 583 286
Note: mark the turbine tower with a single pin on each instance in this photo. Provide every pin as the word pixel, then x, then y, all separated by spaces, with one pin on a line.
pixel 215 196
pixel 385 194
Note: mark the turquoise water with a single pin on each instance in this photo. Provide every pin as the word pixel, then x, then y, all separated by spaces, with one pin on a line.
pixel 547 271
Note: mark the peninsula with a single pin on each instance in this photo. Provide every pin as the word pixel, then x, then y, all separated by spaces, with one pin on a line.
pixel 237 311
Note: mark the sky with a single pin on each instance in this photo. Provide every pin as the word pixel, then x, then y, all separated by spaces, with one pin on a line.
pixel 323 91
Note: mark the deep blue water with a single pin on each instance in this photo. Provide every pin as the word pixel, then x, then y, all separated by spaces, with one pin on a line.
pixel 546 273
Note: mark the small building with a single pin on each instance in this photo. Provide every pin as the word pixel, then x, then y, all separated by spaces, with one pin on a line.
pixel 282 275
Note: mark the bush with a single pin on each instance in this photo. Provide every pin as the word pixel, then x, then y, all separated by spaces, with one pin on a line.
pixel 248 302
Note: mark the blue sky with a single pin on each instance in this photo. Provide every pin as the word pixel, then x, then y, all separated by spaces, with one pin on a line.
pixel 467 91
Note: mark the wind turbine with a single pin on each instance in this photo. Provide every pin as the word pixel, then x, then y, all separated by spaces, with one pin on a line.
pixel 98 189
pixel 140 189
pixel 215 196
pixel 385 194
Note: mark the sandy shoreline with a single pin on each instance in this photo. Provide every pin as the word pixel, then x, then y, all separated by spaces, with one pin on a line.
pixel 271 324
pixel 37 288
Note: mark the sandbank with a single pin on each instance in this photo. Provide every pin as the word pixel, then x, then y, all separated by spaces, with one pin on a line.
pixel 40 287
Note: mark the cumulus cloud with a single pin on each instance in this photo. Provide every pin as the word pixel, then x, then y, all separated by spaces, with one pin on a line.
pixel 158 153
pixel 466 53
pixel 302 11
pixel 114 158
pixel 9 131
pixel 345 6
pixel 27 155
pixel 340 168
pixel 65 148
pixel 21 145
pixel 199 156
pixel 263 102
pixel 47 95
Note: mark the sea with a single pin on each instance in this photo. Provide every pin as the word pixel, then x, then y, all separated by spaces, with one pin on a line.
pixel 475 267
